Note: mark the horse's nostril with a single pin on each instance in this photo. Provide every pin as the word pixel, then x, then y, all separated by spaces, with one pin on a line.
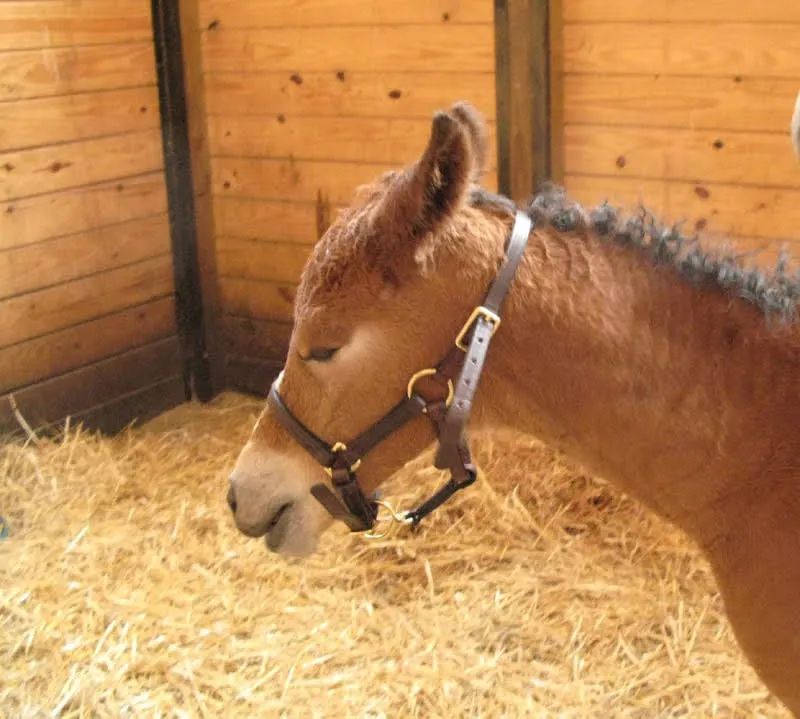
pixel 277 516
pixel 231 498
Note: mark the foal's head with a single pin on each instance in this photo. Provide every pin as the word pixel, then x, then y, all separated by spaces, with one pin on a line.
pixel 383 295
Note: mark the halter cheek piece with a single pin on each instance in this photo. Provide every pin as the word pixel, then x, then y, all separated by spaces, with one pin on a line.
pixel 345 501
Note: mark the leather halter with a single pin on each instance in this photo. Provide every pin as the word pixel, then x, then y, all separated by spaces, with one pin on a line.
pixel 344 500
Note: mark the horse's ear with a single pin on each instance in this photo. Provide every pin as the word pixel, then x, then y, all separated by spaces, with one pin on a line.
pixel 430 191
pixel 473 122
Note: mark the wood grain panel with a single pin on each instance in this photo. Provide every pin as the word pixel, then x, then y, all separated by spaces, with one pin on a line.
pixel 697 102
pixel 711 11
pixel 37 313
pixel 24 222
pixel 254 298
pixel 460 49
pixel 329 13
pixel 256 260
pixel 59 23
pixel 719 50
pixel 352 139
pixel 625 192
pixel 266 220
pixel 62 71
pixel 762 213
pixel 43 264
pixel 249 337
pixel 299 180
pixel 291 180
pixel 59 167
pixel 752 213
pixel 134 408
pixel 251 374
pixel 94 385
pixel 33 123
pixel 68 349
pixel 746 158
pixel 401 94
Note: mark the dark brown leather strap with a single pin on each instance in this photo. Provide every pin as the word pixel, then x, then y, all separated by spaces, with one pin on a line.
pixel 318 449
pixel 483 328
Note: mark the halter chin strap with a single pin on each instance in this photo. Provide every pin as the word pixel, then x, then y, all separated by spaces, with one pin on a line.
pixel 343 499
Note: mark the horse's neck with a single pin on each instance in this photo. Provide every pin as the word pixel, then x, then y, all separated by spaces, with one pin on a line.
pixel 632 372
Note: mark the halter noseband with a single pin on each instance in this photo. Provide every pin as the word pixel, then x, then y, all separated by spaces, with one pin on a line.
pixel 346 502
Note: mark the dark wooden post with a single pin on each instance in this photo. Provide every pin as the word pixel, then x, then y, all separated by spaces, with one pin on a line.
pixel 186 167
pixel 527 42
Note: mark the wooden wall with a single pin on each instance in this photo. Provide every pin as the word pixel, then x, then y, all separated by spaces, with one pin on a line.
pixel 307 99
pixel 685 105
pixel 87 310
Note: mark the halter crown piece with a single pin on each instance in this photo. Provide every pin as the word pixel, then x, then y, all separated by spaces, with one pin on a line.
pixel 344 500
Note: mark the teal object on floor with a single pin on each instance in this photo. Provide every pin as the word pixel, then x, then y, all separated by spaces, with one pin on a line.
pixel 3 528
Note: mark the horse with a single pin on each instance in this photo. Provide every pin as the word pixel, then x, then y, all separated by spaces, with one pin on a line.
pixel 432 306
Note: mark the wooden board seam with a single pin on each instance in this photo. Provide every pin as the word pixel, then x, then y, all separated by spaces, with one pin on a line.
pixel 154 298
pixel 688 181
pixel 98 228
pixel 39 98
pixel 87 276
pixel 86 186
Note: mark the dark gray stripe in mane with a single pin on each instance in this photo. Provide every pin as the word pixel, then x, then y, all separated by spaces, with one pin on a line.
pixel 776 293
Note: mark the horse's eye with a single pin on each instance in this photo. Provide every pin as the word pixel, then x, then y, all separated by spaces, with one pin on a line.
pixel 322 354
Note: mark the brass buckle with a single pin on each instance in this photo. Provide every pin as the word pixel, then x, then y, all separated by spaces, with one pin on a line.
pixel 393 520
pixel 451 390
pixel 342 447
pixel 479 311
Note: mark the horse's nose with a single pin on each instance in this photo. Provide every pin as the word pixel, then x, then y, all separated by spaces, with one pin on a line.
pixel 231 496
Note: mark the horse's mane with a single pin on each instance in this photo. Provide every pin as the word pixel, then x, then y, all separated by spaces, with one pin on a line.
pixel 775 292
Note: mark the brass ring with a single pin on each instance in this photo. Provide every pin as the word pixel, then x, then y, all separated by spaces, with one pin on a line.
pixel 429 373
pixel 342 447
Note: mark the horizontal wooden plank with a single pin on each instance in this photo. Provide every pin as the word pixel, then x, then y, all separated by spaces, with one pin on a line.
pixel 258 260
pixel 458 48
pixel 696 102
pixel 33 219
pixel 250 374
pixel 61 71
pixel 350 139
pixel 250 337
pixel 59 167
pixel 723 49
pixel 745 158
pixel 329 13
pixel 37 313
pixel 711 11
pixel 135 408
pixel 257 299
pixel 43 264
pixel 33 123
pixel 720 211
pixel 291 180
pixel 60 23
pixel 266 220
pixel 94 385
pixel 300 180
pixel 68 349
pixel 347 94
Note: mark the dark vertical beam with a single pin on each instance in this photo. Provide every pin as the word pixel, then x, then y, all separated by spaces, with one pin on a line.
pixel 524 107
pixel 180 183
pixel 555 23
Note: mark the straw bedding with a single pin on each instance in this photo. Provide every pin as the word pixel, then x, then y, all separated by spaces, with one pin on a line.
pixel 126 591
